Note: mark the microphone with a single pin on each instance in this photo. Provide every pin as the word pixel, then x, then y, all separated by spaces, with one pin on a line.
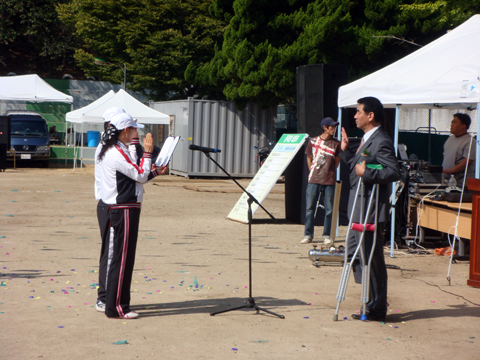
pixel 204 149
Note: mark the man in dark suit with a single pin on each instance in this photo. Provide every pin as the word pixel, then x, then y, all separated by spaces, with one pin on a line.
pixel 376 147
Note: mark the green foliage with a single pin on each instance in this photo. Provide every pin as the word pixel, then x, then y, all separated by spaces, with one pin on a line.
pixel 266 40
pixel 242 50
pixel 33 40
pixel 157 40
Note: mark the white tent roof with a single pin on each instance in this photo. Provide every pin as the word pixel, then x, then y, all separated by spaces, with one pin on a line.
pixel 30 88
pixel 444 72
pixel 77 115
pixel 93 113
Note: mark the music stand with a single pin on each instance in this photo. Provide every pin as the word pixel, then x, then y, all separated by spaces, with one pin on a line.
pixel 250 302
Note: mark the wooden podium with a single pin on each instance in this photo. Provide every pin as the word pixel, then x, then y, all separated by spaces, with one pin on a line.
pixel 474 277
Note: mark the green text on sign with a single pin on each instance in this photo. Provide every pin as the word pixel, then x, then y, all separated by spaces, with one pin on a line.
pixel 291 139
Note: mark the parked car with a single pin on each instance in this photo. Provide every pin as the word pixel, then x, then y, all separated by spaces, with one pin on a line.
pixel 29 137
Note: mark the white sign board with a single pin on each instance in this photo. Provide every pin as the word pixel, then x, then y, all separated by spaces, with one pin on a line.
pixel 267 176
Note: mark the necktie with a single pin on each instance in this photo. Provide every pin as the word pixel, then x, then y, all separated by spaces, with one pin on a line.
pixel 360 146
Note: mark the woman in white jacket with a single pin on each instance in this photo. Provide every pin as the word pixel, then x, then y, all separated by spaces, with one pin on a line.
pixel 122 189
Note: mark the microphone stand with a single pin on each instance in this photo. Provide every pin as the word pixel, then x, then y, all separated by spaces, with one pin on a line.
pixel 250 302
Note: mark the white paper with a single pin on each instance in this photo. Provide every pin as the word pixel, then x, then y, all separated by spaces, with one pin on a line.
pixel 167 151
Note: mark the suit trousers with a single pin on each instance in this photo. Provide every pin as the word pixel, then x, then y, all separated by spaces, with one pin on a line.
pixel 103 217
pixel 125 223
pixel 377 297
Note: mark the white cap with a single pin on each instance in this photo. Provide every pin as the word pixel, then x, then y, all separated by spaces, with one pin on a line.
pixel 111 112
pixel 123 120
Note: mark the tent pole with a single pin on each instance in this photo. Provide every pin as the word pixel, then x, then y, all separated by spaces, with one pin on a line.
pixel 394 185
pixel 339 137
pixel 66 136
pixel 477 157
pixel 74 146
pixel 429 135
pixel 81 151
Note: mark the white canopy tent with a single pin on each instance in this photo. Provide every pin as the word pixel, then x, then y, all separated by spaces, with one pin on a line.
pixel 442 74
pixel 93 113
pixel 76 116
pixel 30 88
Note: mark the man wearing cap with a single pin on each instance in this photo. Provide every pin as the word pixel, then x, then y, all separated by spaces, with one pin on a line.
pixel 322 158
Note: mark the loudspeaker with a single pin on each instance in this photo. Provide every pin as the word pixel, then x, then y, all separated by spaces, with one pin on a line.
pixel 317 95
pixel 4 140
pixel 5 131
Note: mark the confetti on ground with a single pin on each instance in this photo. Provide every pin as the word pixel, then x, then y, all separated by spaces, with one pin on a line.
pixel 260 341
pixel 2 236
pixel 433 301
pixel 60 327
pixel 234 349
pixel 306 317
pixel 121 342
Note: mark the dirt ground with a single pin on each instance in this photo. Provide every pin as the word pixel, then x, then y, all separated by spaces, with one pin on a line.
pixel 192 261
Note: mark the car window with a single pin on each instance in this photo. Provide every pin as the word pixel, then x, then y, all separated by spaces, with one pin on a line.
pixel 30 128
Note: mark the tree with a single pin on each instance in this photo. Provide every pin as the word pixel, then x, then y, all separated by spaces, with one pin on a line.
pixel 266 40
pixel 33 40
pixel 156 40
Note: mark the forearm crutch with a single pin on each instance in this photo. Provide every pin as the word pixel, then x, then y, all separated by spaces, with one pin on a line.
pixel 348 265
pixel 366 268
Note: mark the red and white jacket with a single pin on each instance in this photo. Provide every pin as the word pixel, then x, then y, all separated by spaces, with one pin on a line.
pixel 121 180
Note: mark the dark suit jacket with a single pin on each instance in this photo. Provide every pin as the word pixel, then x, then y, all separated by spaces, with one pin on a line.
pixel 380 150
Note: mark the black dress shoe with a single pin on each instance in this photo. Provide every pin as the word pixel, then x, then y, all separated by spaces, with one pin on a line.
pixel 370 317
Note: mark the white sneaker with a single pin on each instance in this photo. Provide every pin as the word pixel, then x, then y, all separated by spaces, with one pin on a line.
pixel 130 315
pixel 328 242
pixel 100 306
pixel 306 240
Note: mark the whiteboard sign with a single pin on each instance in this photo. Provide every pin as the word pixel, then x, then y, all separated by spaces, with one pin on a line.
pixel 267 176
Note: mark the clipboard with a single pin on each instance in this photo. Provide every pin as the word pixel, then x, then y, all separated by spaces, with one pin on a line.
pixel 167 151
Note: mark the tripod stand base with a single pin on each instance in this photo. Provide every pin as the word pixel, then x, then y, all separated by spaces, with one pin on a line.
pixel 249 304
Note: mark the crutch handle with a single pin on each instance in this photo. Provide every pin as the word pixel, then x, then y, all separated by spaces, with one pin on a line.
pixel 359 227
